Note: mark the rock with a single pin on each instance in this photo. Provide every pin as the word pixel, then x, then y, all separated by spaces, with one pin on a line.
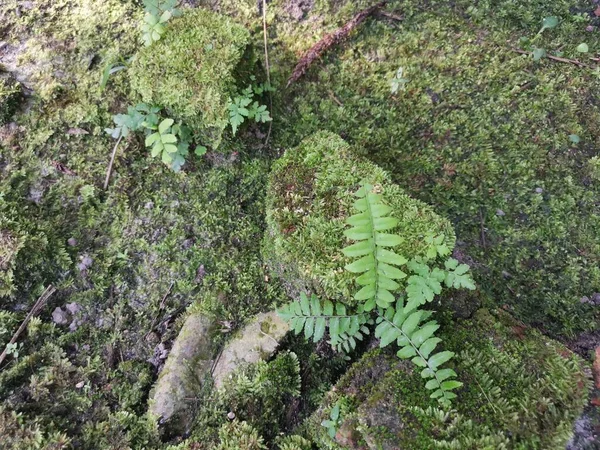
pixel 521 389
pixel 257 340
pixel 59 316
pixel 190 71
pixel 310 195
pixel 172 399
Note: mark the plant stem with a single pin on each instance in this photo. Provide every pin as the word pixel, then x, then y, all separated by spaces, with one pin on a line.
pixel 112 160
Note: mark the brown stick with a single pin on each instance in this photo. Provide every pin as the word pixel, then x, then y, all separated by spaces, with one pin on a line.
pixel 264 14
pixel 556 58
pixel 161 306
pixel 110 165
pixel 37 307
pixel 329 40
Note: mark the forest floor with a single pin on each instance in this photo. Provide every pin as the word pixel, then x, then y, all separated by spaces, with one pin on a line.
pixel 502 144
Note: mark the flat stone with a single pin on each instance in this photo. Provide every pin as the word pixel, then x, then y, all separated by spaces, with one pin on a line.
pixel 188 364
pixel 257 340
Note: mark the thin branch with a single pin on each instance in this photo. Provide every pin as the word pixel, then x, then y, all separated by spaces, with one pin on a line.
pixel 161 306
pixel 112 160
pixel 556 58
pixel 329 40
pixel 37 307
pixel 264 16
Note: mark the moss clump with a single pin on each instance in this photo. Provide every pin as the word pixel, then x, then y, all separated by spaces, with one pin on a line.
pixel 310 195
pixel 521 390
pixel 190 71
pixel 10 96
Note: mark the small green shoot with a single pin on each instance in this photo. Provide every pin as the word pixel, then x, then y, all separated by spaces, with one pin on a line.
pixel 334 421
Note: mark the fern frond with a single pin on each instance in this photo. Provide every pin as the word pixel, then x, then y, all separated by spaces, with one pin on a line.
pixel 313 316
pixel 423 285
pixel 457 275
pixel 377 266
pixel 416 341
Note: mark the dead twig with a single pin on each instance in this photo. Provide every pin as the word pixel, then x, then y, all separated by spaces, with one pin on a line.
pixel 161 306
pixel 482 225
pixel 335 99
pixel 37 307
pixel 390 15
pixel 110 165
pixel 264 16
pixel 329 40
pixel 556 58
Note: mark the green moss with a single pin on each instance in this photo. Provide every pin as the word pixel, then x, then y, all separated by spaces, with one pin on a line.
pixel 190 71
pixel 521 390
pixel 10 97
pixel 310 195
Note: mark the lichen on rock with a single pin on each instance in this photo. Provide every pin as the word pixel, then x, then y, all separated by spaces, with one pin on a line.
pixel 191 71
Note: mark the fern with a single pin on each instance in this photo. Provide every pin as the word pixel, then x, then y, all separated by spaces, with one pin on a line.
pixel 313 316
pixel 378 272
pixel 416 341
pixel 377 265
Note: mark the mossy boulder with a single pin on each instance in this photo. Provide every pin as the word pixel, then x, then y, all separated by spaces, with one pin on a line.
pixel 192 70
pixel 10 97
pixel 310 195
pixel 521 390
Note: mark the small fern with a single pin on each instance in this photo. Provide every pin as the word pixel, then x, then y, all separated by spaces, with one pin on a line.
pixel 314 316
pixel 378 274
pixel 415 338
pixel 377 264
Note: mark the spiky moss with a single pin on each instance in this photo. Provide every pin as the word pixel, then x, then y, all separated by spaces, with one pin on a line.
pixel 190 71
pixel 521 390
pixel 113 253
pixel 480 132
pixel 310 195
pixel 10 97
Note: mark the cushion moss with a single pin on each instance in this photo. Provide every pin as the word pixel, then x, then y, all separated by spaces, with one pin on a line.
pixel 10 96
pixel 521 390
pixel 310 194
pixel 190 71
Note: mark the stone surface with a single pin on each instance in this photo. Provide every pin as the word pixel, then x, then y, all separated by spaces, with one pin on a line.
pixel 521 390
pixel 257 340
pixel 186 368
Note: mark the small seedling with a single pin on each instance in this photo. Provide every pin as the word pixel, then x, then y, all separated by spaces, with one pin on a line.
pixel 333 423
pixel 583 48
pixel 398 82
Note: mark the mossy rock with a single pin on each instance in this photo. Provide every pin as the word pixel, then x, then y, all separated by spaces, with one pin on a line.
pixel 191 71
pixel 310 195
pixel 10 97
pixel 521 390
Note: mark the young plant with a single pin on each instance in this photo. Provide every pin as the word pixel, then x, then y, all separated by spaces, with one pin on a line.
pixel 382 298
pixel 242 107
pixel 158 13
pixel 334 421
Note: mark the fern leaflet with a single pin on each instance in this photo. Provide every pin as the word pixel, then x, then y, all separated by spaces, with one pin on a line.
pixel 313 316
pixel 416 341
pixel 377 265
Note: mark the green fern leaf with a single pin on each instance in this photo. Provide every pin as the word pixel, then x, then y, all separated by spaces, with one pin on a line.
pixel 377 265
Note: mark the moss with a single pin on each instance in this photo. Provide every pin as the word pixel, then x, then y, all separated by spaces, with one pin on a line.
pixel 190 71
pixel 10 97
pixel 310 194
pixel 476 131
pixel 521 390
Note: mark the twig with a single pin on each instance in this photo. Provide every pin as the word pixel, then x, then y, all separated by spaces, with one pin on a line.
pixel 112 160
pixel 335 99
pixel 482 224
pixel 329 40
pixel 161 306
pixel 264 16
pixel 37 307
pixel 556 58
pixel 390 15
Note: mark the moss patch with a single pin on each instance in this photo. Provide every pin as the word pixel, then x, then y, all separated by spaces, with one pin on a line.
pixel 521 390
pixel 310 195
pixel 10 96
pixel 190 71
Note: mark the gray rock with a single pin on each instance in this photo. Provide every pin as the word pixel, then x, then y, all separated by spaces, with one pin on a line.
pixel 257 340
pixel 188 364
pixel 59 316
